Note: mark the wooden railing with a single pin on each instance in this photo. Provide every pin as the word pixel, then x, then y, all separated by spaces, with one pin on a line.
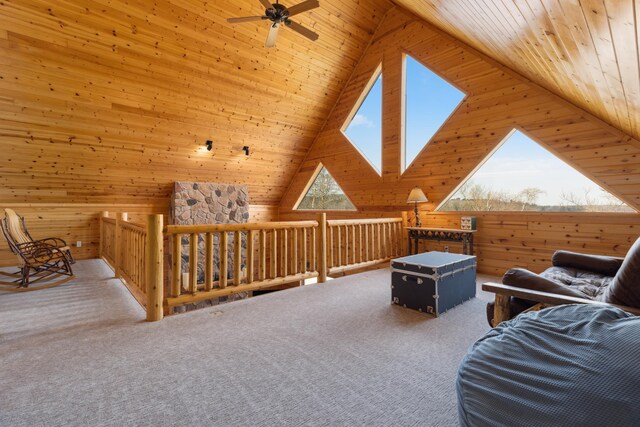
pixel 108 240
pixel 360 243
pixel 262 255
pixel 133 244
pixel 123 245
pixel 250 256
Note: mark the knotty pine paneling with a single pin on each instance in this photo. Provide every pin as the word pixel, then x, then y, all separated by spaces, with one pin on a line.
pixel 112 101
pixel 73 222
pixel 105 104
pixel 498 100
pixel 587 51
pixel 528 240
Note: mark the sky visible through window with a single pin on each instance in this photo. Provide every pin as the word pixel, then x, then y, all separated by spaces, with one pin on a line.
pixel 522 164
pixel 365 129
pixel 430 100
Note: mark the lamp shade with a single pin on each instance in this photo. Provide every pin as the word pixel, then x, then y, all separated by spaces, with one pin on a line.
pixel 417 196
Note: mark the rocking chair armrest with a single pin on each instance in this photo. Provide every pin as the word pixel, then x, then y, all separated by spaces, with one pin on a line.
pixel 53 241
pixel 37 252
pixel 547 297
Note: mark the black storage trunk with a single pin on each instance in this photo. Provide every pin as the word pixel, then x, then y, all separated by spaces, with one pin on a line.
pixel 433 282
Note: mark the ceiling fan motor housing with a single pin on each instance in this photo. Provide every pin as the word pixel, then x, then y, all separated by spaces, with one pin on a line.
pixel 277 14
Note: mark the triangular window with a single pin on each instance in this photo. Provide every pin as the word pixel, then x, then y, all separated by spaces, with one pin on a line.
pixel 520 175
pixel 324 193
pixel 429 101
pixel 363 128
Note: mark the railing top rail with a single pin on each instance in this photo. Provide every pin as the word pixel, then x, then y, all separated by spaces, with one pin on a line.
pixel 216 228
pixel 109 220
pixel 337 222
pixel 135 227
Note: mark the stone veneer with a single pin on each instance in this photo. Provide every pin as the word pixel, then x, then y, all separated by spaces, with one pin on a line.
pixel 206 203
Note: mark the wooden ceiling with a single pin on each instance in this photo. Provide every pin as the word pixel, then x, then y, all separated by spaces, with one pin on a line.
pixel 583 50
pixel 111 101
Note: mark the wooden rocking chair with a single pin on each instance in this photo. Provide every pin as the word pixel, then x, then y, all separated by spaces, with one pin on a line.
pixel 47 261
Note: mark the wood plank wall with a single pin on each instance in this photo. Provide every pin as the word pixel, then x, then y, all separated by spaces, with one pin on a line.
pixel 104 104
pixel 498 100
pixel 528 240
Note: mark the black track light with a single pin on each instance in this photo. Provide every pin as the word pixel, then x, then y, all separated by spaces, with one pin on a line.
pixel 246 150
pixel 209 145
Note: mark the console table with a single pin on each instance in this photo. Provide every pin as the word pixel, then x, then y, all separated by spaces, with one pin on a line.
pixel 441 234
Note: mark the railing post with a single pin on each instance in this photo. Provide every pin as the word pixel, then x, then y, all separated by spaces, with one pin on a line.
pixel 322 248
pixel 154 268
pixel 120 218
pixel 104 214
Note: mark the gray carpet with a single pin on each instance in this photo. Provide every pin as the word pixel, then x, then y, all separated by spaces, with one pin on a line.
pixel 331 354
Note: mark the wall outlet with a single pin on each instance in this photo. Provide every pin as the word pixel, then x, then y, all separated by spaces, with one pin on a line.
pixel 446 248
pixel 79 244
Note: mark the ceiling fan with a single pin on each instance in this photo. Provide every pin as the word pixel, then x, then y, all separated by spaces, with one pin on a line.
pixel 279 15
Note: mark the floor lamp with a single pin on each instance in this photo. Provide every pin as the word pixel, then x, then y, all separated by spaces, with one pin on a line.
pixel 417 196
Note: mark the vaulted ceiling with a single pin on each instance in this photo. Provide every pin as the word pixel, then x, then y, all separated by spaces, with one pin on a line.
pixel 583 50
pixel 112 100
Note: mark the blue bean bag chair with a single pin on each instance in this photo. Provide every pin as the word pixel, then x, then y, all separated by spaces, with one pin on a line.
pixel 572 365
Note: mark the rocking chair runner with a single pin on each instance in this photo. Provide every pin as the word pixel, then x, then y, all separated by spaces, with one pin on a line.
pixel 44 260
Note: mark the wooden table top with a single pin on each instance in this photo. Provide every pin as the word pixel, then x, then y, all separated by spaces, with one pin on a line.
pixel 451 230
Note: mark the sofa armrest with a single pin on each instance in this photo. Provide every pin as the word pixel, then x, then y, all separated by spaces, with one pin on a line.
pixel 605 265
pixel 547 297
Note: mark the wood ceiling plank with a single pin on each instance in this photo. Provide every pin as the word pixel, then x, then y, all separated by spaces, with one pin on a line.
pixel 574 48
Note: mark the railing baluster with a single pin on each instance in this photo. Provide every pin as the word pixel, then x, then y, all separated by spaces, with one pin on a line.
pixel 237 258
pixel 322 249
pixel 193 263
pixel 208 262
pixel 339 246
pixel 366 241
pixel 304 268
pixel 250 255
pixel 360 248
pixel 285 251
pixel 224 254
pixel 294 251
pixel 312 246
pixel 330 248
pixel 274 254
pixel 347 249
pixel 263 255
pixel 379 241
pixel 353 244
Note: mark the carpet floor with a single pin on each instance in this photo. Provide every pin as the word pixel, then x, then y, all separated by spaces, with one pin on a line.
pixel 321 355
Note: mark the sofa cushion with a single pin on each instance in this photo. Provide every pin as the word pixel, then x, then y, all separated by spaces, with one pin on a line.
pixel 604 265
pixel 526 279
pixel 625 286
pixel 591 285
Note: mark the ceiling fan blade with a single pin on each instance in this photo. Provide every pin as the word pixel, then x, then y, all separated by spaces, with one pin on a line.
pixel 302 30
pixel 246 19
pixel 303 7
pixel 273 35
pixel 266 4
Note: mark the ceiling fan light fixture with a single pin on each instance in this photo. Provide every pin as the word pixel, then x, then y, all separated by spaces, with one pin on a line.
pixel 279 14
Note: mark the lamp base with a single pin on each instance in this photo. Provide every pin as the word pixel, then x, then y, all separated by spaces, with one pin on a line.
pixel 415 210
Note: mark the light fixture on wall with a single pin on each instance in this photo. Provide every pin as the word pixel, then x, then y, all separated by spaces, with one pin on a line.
pixel 417 196
pixel 246 150
pixel 209 145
